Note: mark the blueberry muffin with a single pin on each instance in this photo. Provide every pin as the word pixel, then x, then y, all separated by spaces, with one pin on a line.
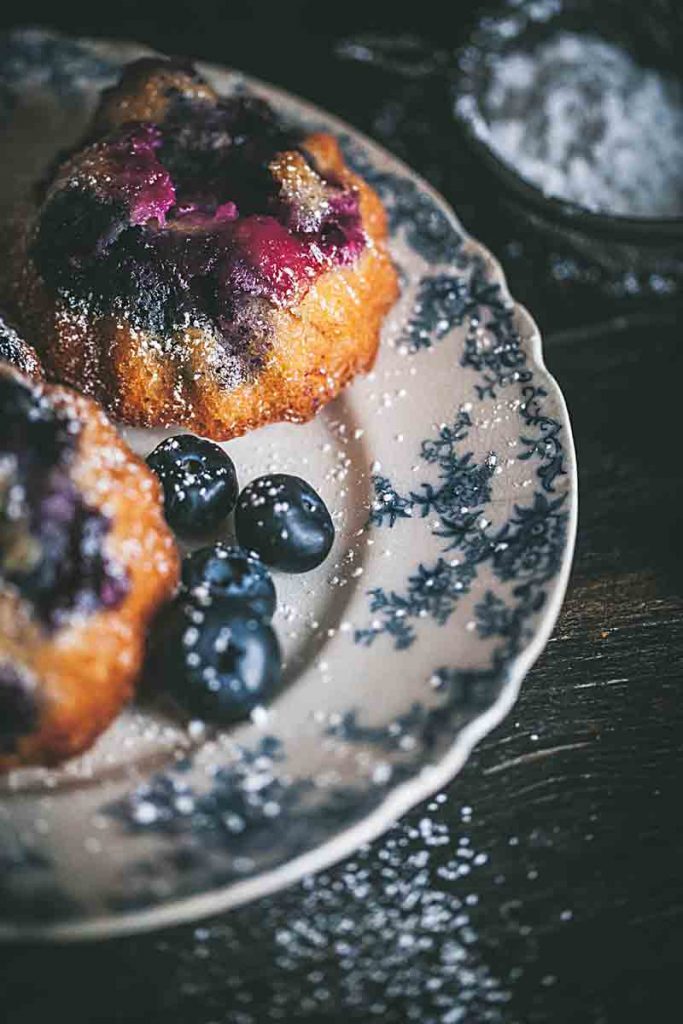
pixel 196 263
pixel 86 558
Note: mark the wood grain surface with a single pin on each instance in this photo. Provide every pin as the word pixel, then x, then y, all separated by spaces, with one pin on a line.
pixel 569 904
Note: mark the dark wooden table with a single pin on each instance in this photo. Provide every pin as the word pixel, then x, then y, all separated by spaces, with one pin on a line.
pixel 547 884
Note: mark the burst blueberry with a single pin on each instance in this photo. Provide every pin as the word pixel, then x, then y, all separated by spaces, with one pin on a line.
pixel 52 545
pixel 199 483
pixel 231 573
pixel 217 659
pixel 285 521
pixel 19 710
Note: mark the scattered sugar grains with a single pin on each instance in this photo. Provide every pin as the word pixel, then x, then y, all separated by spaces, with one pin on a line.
pixel 389 934
pixel 580 119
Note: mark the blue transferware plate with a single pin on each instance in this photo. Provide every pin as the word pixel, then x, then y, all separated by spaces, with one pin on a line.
pixel 451 475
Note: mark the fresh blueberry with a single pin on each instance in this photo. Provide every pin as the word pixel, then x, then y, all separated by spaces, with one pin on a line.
pixel 199 483
pixel 230 572
pixel 216 658
pixel 285 522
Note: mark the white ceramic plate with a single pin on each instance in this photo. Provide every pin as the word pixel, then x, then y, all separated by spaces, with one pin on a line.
pixel 451 476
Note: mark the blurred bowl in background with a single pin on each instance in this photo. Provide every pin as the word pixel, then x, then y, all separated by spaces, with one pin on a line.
pixel 511 87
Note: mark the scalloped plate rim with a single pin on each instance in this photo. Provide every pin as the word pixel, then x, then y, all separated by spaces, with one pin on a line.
pixel 430 778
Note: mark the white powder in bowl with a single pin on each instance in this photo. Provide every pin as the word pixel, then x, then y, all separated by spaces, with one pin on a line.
pixel 581 120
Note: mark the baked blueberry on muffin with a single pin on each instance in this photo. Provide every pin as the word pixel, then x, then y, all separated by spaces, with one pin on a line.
pixel 17 352
pixel 195 263
pixel 85 560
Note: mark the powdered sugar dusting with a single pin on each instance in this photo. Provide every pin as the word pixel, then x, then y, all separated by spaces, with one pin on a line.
pixel 390 934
